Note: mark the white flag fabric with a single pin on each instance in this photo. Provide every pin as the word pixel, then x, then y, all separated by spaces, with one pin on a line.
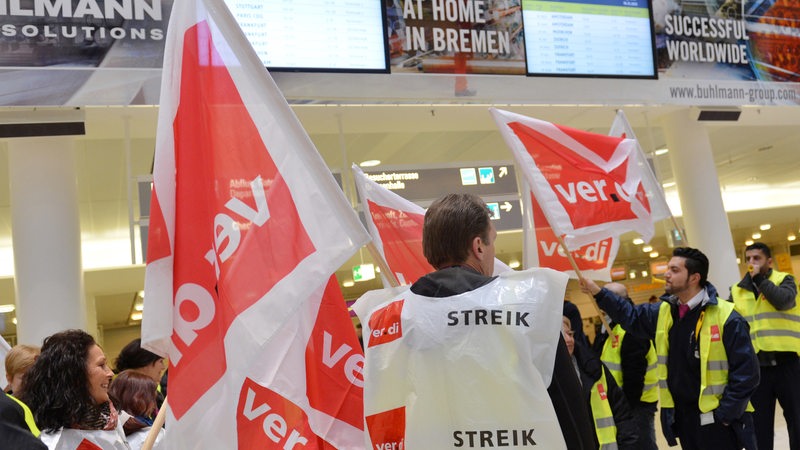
pixel 4 349
pixel 585 182
pixel 652 188
pixel 136 439
pixel 72 439
pixel 247 226
pixel 470 370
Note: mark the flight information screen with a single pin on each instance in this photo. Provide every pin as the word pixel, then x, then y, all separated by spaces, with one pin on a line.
pixel 315 35
pixel 590 38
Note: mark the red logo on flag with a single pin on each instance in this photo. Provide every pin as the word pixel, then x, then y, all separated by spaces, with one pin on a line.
pixel 387 430
pixel 384 324
pixel 266 420
pixel 596 256
pixel 601 391
pixel 588 194
pixel 335 361
pixel 237 230
pixel 715 333
pixel 88 445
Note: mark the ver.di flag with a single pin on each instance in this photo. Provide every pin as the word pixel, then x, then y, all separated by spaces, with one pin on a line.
pixel 584 181
pixel 541 247
pixel 395 225
pixel 247 226
pixel 652 188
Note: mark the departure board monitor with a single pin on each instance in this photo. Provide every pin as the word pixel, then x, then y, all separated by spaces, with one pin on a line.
pixel 589 38
pixel 315 35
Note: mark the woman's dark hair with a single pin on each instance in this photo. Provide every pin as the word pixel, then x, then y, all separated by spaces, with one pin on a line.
pixel 134 393
pixel 133 356
pixel 56 388
pixel 451 223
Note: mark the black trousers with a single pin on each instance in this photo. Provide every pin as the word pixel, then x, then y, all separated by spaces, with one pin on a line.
pixel 693 436
pixel 779 383
pixel 644 417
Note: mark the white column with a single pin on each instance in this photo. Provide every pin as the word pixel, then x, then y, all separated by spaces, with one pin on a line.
pixel 704 216
pixel 46 237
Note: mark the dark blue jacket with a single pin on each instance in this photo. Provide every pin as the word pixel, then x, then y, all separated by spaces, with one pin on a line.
pixel 743 368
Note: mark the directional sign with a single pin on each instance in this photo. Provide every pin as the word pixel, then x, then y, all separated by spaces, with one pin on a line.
pixel 423 184
pixel 506 213
pixel 486 175
pixel 363 272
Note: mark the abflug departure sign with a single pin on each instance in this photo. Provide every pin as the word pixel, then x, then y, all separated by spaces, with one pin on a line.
pixel 80 32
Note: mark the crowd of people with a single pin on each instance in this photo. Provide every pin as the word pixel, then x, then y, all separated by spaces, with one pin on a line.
pixel 722 363
pixel 65 392
pixel 714 366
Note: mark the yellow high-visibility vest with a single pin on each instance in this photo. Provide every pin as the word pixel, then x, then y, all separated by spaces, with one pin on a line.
pixel 770 330
pixel 28 416
pixel 612 358
pixel 713 357
pixel 604 426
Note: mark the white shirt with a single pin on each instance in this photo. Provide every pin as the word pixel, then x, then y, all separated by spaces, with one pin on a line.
pixel 700 299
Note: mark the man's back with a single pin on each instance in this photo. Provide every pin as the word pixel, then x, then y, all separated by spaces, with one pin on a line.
pixel 564 389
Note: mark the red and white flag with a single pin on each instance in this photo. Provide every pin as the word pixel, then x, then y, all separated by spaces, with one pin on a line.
pixel 395 225
pixel 585 182
pixel 652 188
pixel 247 227
pixel 541 247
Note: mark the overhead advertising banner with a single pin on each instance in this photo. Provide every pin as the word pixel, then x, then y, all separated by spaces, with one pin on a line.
pixel 94 51
pixel 707 52
pixel 456 36
pixel 729 52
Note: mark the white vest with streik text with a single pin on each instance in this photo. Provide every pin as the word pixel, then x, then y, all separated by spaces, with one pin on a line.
pixel 465 371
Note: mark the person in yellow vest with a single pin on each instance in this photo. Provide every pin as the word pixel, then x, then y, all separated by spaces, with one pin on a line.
pixel 707 367
pixel 18 360
pixel 17 363
pixel 15 428
pixel 614 426
pixel 632 362
pixel 768 300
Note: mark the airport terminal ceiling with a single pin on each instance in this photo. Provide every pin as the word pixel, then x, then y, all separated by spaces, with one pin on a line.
pixel 759 152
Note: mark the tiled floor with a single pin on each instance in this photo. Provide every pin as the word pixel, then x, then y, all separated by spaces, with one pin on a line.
pixel 781 437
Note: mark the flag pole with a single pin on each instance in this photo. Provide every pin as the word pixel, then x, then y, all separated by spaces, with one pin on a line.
pixel 158 423
pixel 578 272
pixel 376 255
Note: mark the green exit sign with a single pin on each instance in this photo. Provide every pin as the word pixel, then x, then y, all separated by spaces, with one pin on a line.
pixel 363 272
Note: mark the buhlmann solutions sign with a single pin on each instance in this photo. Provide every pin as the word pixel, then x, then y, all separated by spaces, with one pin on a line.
pixel 80 32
